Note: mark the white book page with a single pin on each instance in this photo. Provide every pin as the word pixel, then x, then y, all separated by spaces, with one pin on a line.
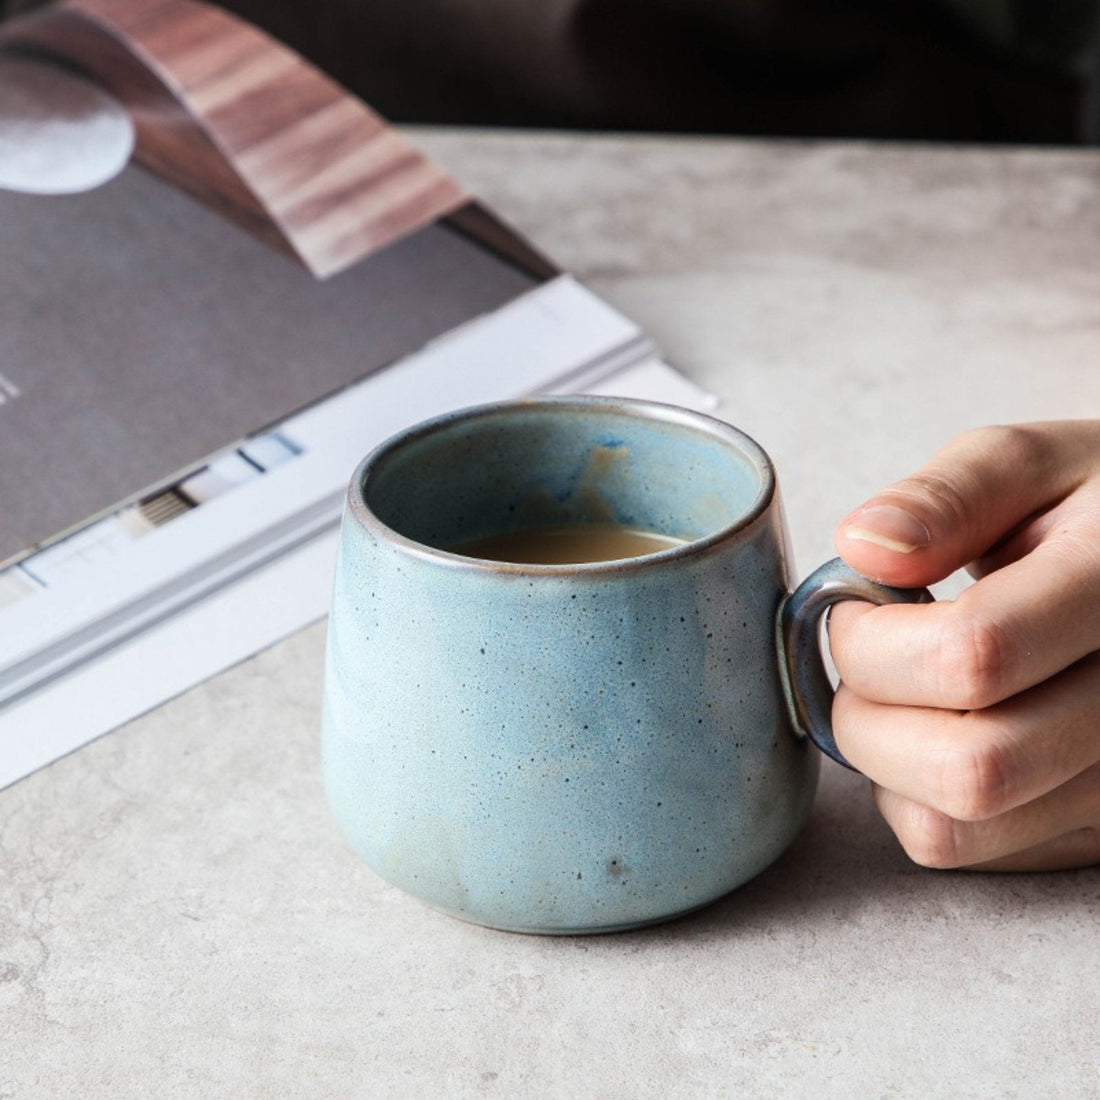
pixel 98 586
pixel 206 635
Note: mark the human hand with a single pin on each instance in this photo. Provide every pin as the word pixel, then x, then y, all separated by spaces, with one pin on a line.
pixel 978 719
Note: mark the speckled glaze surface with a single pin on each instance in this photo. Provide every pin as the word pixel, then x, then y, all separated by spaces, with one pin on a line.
pixel 563 749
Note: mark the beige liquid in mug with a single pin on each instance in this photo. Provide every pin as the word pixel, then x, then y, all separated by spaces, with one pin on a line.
pixel 568 545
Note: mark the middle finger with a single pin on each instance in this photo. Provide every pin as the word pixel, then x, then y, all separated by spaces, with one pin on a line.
pixel 1010 631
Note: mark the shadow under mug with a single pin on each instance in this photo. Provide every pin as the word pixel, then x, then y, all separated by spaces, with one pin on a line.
pixel 573 748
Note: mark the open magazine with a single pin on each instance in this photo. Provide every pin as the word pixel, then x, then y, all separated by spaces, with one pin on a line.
pixel 181 406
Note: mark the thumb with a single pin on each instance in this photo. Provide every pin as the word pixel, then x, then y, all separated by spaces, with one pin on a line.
pixel 970 496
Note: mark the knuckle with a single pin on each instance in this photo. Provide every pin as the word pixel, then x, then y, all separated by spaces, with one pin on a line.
pixel 1015 446
pixel 930 488
pixel 953 483
pixel 929 838
pixel 975 782
pixel 976 658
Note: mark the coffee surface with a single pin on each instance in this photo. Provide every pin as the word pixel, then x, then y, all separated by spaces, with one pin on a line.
pixel 568 545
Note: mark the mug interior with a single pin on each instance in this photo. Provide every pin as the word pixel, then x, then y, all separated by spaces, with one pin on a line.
pixel 564 462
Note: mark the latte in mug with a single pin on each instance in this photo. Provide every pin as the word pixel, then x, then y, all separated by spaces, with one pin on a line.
pixel 569 545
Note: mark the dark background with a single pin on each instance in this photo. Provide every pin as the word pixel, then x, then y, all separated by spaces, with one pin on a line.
pixel 1006 71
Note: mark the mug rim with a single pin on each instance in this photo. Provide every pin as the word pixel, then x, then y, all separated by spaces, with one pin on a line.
pixel 703 423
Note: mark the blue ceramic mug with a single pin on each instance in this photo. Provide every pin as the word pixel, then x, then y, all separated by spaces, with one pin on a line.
pixel 566 748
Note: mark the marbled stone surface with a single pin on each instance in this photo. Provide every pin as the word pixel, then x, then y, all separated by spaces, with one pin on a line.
pixel 179 918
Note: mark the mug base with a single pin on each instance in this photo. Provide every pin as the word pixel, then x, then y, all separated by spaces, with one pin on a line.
pixel 581 930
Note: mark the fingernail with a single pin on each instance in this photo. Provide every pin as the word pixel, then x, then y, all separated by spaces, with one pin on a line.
pixel 890 527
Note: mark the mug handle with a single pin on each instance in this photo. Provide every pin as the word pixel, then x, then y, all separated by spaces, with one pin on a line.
pixel 806 684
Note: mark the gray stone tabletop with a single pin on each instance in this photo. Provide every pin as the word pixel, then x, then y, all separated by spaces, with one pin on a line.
pixel 179 918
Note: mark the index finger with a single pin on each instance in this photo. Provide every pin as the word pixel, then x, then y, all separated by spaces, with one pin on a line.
pixel 1009 631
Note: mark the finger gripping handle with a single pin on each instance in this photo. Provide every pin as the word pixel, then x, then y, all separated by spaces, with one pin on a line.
pixel 806 683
